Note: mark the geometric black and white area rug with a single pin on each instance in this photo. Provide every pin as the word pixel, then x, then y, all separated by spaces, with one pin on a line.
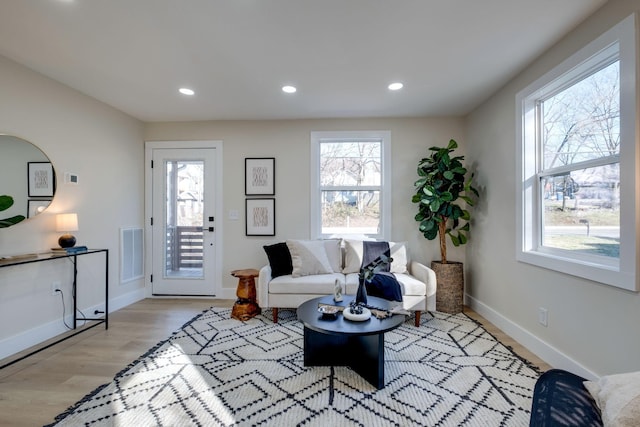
pixel 218 371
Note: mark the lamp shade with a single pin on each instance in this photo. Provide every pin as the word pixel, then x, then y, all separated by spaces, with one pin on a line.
pixel 67 222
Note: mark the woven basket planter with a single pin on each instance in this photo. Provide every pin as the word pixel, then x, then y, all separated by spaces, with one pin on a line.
pixel 450 286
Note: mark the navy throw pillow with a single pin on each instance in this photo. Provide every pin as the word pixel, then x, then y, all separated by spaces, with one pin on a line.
pixel 279 259
pixel 385 285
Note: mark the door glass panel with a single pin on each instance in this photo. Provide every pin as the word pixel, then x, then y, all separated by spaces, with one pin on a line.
pixel 184 220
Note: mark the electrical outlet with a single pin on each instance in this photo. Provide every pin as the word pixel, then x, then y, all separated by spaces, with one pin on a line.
pixel 55 286
pixel 543 316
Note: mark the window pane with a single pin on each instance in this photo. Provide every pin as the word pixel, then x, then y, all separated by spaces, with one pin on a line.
pixel 350 212
pixel 582 211
pixel 350 164
pixel 583 121
pixel 183 218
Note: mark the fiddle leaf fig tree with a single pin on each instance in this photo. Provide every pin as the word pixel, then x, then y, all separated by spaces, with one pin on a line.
pixel 5 203
pixel 439 193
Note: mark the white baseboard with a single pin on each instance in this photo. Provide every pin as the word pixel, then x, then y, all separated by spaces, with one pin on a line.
pixel 29 338
pixel 12 345
pixel 126 299
pixel 540 348
pixel 225 293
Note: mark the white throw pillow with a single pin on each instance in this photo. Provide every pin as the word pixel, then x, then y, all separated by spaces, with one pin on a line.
pixel 618 397
pixel 352 256
pixel 354 252
pixel 308 257
pixel 334 254
pixel 399 255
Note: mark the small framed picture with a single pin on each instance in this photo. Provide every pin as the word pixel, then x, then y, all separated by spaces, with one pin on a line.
pixel 34 207
pixel 259 178
pixel 42 181
pixel 260 217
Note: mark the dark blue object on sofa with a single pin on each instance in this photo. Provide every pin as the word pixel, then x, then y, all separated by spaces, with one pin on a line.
pixel 560 399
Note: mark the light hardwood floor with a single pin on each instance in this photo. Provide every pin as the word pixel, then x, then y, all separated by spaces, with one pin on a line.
pixel 35 390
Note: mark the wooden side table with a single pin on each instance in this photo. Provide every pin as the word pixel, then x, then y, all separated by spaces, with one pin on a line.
pixel 245 306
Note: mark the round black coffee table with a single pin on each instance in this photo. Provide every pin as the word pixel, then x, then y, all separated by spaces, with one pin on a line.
pixel 341 342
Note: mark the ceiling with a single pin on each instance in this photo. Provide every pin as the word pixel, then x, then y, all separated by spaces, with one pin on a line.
pixel 237 54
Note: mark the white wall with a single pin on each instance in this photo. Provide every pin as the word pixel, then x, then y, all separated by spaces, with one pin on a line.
pixel 105 148
pixel 593 328
pixel 289 142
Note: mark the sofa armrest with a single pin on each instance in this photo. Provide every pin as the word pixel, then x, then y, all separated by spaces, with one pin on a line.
pixel 263 286
pixel 428 277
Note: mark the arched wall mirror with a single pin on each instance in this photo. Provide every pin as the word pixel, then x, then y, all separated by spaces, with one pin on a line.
pixel 27 180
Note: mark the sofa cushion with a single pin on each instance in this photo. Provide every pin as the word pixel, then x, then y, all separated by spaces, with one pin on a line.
pixel 354 252
pixel 279 259
pixel 410 285
pixel 308 257
pixel 321 284
pixel 618 397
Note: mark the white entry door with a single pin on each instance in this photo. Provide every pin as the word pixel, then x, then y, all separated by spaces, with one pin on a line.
pixel 183 221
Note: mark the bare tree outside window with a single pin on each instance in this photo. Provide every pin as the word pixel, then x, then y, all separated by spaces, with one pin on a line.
pixel 580 177
pixel 350 180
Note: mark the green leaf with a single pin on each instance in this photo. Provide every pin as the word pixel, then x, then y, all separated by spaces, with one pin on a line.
pixel 467 200
pixel 448 175
pixel 457 212
pixel 465 215
pixel 431 234
pixel 452 145
pixel 463 238
pixel 5 202
pixel 11 221
pixel 427 225
pixel 454 240
pixel 446 196
pixel 435 206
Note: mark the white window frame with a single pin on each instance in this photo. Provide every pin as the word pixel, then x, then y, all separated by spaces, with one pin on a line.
pixel 620 272
pixel 385 194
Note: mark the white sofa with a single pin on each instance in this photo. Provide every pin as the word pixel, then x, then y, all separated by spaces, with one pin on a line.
pixel 314 276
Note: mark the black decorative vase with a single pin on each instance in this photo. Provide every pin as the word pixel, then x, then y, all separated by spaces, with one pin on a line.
pixel 67 241
pixel 361 294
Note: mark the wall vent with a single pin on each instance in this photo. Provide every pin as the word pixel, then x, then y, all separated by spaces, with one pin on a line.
pixel 131 254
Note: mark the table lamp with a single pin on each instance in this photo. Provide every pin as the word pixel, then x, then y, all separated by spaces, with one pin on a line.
pixel 65 223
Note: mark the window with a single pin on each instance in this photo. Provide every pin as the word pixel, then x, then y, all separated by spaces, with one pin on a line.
pixel 350 171
pixel 577 171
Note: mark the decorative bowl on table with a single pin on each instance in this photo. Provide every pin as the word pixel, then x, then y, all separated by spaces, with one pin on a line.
pixel 328 311
pixel 356 314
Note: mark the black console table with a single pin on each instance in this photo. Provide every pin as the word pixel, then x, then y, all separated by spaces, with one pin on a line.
pixel 73 257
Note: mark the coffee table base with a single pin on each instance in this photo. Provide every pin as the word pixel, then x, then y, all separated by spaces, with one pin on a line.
pixel 362 353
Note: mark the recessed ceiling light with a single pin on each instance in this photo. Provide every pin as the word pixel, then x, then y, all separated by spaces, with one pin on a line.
pixel 395 86
pixel 289 89
pixel 186 91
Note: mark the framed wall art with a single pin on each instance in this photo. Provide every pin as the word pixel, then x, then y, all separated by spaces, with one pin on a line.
pixel 34 207
pixel 260 217
pixel 259 179
pixel 42 181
